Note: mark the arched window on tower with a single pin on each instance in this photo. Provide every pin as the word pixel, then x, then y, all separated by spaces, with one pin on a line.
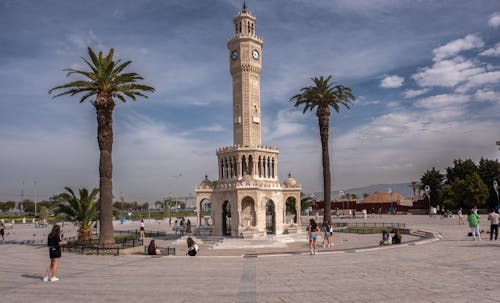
pixel 221 169
pixel 225 168
pixel 268 167
pixel 272 169
pixel 235 165
pixel 239 29
pixel 243 166
pixel 259 165
pixel 250 165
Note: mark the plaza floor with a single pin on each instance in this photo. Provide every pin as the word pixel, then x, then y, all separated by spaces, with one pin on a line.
pixel 451 269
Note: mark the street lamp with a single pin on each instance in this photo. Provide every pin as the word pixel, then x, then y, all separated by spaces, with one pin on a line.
pixel 34 195
pixel 389 191
pixel 341 196
pixel 427 189
pixel 495 187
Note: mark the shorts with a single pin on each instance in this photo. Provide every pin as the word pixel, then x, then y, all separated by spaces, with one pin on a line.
pixel 55 252
pixel 327 234
pixel 142 228
pixel 312 236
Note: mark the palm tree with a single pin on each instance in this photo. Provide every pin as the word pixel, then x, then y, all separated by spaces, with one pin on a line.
pixel 107 82
pixel 322 96
pixel 414 186
pixel 83 210
pixel 305 202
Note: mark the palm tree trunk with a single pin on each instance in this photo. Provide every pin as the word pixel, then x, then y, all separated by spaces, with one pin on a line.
pixel 104 107
pixel 323 114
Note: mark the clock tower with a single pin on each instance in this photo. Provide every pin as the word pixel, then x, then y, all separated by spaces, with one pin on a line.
pixel 247 200
pixel 245 65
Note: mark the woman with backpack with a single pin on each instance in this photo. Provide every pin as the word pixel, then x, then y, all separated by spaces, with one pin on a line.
pixel 327 230
pixel 312 231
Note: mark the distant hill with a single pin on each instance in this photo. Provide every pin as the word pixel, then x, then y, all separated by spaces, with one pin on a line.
pixel 400 188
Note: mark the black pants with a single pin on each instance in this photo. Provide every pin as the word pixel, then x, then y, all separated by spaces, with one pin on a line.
pixel 493 229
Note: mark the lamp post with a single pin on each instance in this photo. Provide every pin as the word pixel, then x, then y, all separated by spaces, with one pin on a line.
pixel 34 195
pixel 427 189
pixel 389 191
pixel 341 196
pixel 495 187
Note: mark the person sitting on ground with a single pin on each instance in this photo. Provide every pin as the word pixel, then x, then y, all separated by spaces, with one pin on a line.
pixel 152 249
pixel 397 237
pixel 192 247
pixel 385 236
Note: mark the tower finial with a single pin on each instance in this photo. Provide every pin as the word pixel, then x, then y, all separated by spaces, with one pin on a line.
pixel 244 6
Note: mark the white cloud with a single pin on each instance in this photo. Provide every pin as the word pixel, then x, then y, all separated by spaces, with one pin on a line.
pixel 494 20
pixel 452 48
pixel 478 80
pixel 487 95
pixel 411 93
pixel 440 101
pixel 447 73
pixel 286 123
pixel 392 81
pixel 493 51
pixel 402 144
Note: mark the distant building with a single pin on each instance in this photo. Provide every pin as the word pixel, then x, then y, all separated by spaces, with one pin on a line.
pixel 384 197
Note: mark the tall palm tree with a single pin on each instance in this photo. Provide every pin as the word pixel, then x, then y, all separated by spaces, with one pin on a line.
pixel 83 210
pixel 322 96
pixel 107 82
pixel 414 186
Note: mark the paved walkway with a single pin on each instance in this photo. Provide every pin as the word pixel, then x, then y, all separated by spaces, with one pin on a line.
pixel 453 269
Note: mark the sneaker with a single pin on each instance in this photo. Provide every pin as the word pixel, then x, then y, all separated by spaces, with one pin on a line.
pixel 315 251
pixel 45 279
pixel 53 279
pixel 323 245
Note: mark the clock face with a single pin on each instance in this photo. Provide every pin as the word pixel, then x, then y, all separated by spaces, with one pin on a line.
pixel 234 54
pixel 255 54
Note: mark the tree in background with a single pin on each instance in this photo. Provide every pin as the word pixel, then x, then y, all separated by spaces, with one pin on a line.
pixel 106 81
pixel 83 210
pixel 44 213
pixel 434 179
pixel 322 96
pixel 460 170
pixel 365 195
pixel 470 192
pixel 489 170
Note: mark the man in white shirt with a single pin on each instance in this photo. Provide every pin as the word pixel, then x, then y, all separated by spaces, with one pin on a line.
pixel 493 218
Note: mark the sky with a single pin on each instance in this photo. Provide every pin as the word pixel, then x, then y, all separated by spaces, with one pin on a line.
pixel 426 75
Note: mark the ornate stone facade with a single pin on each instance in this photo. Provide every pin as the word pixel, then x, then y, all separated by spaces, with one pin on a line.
pixel 247 199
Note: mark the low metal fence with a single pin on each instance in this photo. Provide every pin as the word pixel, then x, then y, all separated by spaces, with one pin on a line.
pixel 95 248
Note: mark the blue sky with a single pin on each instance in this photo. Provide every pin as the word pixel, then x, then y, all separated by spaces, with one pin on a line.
pixel 426 75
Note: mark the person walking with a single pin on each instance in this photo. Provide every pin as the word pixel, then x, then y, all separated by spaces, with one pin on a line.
pixel 54 242
pixel 473 219
pixel 142 229
pixel 327 231
pixel 493 218
pixel 2 229
pixel 188 227
pixel 460 217
pixel 312 230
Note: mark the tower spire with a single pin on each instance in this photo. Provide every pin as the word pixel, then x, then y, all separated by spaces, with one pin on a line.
pixel 244 6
